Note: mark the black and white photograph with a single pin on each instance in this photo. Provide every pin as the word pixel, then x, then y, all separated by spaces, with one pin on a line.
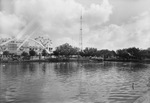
pixel 74 51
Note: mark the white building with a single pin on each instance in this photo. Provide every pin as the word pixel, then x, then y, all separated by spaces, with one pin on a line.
pixel 12 47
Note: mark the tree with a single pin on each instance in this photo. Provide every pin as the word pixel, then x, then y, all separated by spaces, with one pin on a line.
pixel 24 54
pixel 89 51
pixel 65 50
pixel 129 53
pixel 134 53
pixel 105 53
pixel 44 53
pixel 145 54
pixel 123 54
pixel 6 53
pixel 32 52
pixel 56 53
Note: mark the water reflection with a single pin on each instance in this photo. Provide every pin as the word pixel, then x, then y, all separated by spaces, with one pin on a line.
pixel 65 69
pixel 87 82
pixel 131 66
pixel 44 68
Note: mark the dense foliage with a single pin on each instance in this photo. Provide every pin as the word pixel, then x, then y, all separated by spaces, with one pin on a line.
pixel 44 53
pixel 32 52
pixel 6 53
pixel 129 53
pixel 24 54
pixel 132 53
pixel 66 50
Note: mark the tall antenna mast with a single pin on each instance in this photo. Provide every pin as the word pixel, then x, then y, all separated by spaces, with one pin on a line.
pixel 80 42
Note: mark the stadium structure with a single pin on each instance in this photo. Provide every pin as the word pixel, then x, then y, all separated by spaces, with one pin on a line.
pixel 25 41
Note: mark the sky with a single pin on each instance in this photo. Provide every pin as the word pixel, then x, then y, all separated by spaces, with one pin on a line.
pixel 107 24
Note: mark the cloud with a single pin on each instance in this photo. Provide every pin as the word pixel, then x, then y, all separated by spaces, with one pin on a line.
pixel 9 24
pixel 66 40
pixel 134 33
pixel 58 18
pixel 98 14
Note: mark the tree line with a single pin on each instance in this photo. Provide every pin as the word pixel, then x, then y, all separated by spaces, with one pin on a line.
pixel 26 55
pixel 132 53
pixel 67 51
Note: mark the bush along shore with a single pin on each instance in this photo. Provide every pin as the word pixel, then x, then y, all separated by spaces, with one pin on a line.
pixel 66 52
pixel 50 59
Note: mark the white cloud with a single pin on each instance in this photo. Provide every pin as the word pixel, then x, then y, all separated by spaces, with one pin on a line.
pixel 134 33
pixel 10 24
pixel 66 40
pixel 58 18
pixel 98 14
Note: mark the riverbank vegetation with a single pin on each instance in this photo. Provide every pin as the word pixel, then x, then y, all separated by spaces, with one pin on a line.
pixel 126 54
pixel 66 51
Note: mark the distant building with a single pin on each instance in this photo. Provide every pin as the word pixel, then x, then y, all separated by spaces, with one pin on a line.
pixel 12 47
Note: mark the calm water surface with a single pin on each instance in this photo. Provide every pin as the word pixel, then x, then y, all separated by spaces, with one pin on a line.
pixel 106 82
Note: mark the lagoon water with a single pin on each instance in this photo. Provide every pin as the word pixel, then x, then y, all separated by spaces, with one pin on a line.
pixel 73 82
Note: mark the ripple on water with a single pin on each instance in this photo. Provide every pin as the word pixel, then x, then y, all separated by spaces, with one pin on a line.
pixel 71 83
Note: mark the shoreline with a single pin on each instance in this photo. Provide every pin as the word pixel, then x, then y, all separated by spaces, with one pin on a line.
pixel 74 59
pixel 138 61
pixel 49 60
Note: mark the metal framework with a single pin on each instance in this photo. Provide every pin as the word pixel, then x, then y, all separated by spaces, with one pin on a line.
pixel 32 30
pixel 80 37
